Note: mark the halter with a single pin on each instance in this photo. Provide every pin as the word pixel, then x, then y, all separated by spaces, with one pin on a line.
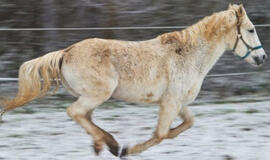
pixel 240 37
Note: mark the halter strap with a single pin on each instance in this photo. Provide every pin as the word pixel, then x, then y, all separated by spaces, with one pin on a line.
pixel 240 37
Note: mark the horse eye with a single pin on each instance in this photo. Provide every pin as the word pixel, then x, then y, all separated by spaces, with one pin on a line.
pixel 251 31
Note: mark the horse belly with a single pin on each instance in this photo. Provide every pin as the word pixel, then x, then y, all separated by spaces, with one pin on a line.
pixel 143 93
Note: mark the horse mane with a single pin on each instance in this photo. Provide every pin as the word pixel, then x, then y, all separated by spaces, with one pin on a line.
pixel 211 28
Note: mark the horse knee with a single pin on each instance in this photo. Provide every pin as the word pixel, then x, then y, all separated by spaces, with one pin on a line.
pixel 70 112
pixel 159 137
pixel 189 121
pixel 82 107
pixel 74 111
pixel 187 116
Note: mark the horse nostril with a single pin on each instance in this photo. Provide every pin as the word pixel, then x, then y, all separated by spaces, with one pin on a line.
pixel 258 60
pixel 263 56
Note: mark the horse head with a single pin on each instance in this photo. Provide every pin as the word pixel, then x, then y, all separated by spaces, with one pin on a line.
pixel 243 39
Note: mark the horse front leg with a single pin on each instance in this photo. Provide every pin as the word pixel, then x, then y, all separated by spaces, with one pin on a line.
pixel 169 110
pixel 187 123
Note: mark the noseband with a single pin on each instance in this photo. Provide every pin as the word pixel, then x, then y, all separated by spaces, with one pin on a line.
pixel 240 37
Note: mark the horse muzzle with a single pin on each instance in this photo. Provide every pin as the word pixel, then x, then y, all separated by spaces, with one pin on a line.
pixel 259 60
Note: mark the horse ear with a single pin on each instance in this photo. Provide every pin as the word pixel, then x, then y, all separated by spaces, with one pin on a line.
pixel 241 10
pixel 230 6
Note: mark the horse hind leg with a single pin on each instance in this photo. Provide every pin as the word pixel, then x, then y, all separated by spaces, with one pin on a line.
pixel 91 96
pixel 94 83
pixel 81 111
pixel 107 138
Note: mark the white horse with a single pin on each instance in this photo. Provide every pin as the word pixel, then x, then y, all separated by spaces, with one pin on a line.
pixel 167 70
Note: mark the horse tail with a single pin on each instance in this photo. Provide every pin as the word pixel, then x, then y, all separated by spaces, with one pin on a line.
pixel 35 79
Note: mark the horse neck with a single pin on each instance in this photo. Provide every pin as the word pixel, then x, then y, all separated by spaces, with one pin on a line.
pixel 208 44
pixel 211 56
pixel 205 55
pixel 211 33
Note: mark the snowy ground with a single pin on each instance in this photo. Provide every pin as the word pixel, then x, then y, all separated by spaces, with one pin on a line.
pixel 42 130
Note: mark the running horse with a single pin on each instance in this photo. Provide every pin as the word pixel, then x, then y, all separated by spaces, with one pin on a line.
pixel 167 71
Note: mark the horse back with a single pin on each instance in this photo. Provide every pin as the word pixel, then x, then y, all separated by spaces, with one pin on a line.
pixel 141 66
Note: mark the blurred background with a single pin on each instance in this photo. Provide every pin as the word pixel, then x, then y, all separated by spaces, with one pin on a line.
pixel 19 46
pixel 243 96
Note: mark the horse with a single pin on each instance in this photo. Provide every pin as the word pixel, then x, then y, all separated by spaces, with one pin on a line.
pixel 167 70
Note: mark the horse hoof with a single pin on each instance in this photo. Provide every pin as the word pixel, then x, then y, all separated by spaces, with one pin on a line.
pixel 1 114
pixel 114 150
pixel 124 152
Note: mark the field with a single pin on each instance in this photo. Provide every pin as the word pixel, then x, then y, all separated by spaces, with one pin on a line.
pixel 42 130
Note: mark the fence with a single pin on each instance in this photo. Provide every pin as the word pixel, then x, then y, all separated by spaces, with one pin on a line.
pixel 126 28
